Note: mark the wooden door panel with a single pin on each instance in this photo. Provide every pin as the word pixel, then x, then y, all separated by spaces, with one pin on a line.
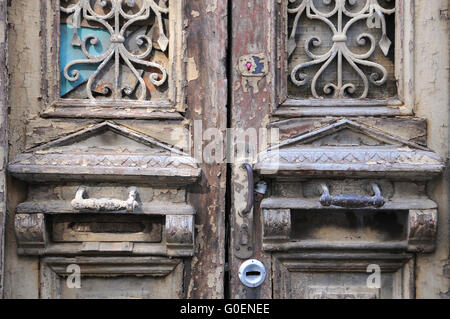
pixel 117 278
pixel 106 156
pixel 108 152
pixel 327 276
pixel 337 167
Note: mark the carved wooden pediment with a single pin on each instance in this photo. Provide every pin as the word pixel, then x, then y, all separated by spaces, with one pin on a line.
pixel 347 148
pixel 106 152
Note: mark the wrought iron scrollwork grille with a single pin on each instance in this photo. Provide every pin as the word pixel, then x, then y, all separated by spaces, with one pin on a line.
pixel 117 18
pixel 340 16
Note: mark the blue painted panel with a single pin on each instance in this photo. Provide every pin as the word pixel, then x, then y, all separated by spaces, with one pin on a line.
pixel 68 53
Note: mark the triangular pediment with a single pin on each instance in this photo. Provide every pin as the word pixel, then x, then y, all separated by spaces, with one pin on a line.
pixel 106 137
pixel 348 148
pixel 106 152
pixel 346 133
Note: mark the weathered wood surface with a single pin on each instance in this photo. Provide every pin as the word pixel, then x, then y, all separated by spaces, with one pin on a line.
pixel 447 270
pixel 291 112
pixel 30 229
pixel 3 128
pixel 322 275
pixel 250 109
pixel 207 36
pixel 41 130
pixel 98 112
pixel 106 151
pixel 56 207
pixel 315 226
pixel 297 203
pixel 349 147
pixel 179 229
pixel 252 99
pixel 407 128
pixel 146 277
pixel 121 228
pixel 422 231
pixel 277 224
pixel 204 24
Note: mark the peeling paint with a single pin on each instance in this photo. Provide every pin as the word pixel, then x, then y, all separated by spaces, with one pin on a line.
pixel 192 71
pixel 212 6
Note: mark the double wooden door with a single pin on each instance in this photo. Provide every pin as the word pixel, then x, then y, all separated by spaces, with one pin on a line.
pixel 241 149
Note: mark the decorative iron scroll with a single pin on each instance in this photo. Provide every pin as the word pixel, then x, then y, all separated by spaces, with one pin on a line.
pixel 127 33
pixel 340 16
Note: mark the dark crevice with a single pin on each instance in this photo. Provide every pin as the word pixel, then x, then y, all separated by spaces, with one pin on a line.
pixel 229 61
pixel 414 292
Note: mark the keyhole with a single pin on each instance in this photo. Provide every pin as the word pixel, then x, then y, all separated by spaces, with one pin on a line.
pixel 253 274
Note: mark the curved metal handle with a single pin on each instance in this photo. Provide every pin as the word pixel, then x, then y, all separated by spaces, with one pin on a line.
pixel 352 201
pixel 251 190
pixel 104 204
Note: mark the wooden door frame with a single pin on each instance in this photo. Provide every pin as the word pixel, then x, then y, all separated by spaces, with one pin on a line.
pixel 3 130
pixel 206 97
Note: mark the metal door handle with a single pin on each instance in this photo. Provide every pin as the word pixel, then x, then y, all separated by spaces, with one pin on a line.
pixel 352 201
pixel 251 189
pixel 104 204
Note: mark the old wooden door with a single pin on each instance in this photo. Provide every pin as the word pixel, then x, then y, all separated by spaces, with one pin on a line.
pixel 336 200
pixel 105 196
pixel 123 180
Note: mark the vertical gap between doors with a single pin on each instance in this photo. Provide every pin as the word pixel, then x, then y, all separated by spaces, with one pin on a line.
pixel 228 203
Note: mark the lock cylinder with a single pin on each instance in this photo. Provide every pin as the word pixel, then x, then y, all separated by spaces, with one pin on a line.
pixel 252 273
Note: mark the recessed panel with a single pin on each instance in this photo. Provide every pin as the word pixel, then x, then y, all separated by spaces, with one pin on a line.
pixel 97 228
pixel 127 287
pixel 339 285
pixel 349 225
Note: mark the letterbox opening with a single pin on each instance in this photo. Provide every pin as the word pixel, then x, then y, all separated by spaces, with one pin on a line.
pixel 106 228
pixel 346 225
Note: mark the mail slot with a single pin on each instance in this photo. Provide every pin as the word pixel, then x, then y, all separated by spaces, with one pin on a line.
pixel 93 228
pixel 350 225
pixel 349 213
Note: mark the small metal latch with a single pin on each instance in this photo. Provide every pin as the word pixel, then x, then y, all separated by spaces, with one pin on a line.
pixel 252 67
pixel 252 273
pixel 261 188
